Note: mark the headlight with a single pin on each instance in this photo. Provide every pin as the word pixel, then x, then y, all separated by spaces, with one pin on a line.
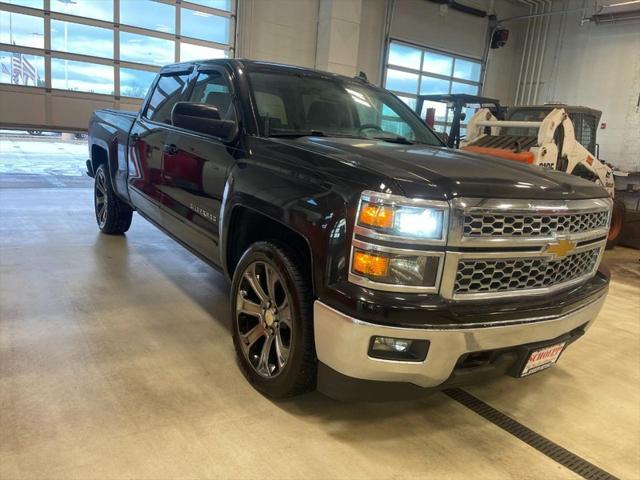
pixel 401 218
pixel 391 244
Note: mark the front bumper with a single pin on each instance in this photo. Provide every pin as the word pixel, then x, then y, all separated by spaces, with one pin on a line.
pixel 342 345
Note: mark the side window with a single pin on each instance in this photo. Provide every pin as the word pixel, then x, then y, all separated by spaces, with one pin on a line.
pixel 165 95
pixel 213 89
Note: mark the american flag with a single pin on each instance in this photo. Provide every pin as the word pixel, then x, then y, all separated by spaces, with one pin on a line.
pixel 21 70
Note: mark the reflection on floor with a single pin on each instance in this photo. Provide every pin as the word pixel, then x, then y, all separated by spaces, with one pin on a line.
pixel 116 361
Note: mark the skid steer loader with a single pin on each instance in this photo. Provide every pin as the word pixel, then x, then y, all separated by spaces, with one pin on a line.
pixel 546 136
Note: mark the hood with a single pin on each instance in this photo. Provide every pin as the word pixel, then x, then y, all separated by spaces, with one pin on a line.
pixel 438 172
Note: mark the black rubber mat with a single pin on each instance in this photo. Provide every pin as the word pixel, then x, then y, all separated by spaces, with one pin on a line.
pixel 552 450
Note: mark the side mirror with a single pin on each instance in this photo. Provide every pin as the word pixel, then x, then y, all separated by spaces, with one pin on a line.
pixel 444 137
pixel 202 118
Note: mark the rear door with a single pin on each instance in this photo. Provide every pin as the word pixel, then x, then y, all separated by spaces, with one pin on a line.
pixel 196 167
pixel 147 140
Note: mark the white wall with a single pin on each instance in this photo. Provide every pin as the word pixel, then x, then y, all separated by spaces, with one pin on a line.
pixel 598 66
pixel 287 30
pixel 283 31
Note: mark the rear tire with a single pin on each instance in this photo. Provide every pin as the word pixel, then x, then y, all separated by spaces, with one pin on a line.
pixel 617 222
pixel 112 214
pixel 273 321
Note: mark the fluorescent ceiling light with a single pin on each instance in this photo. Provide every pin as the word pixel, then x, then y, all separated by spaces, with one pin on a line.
pixel 620 4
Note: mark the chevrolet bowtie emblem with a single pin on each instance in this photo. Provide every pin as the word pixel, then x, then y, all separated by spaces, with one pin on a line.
pixel 560 248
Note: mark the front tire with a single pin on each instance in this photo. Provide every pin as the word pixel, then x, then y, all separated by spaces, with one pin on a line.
pixel 272 321
pixel 112 214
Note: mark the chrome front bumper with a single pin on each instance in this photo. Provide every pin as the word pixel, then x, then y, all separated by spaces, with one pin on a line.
pixel 342 343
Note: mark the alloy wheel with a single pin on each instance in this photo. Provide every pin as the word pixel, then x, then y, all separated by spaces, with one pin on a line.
pixel 264 319
pixel 101 199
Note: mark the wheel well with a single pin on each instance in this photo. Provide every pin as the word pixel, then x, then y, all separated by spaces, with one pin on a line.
pixel 98 156
pixel 248 226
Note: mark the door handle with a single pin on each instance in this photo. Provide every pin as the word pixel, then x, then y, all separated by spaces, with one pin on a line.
pixel 171 149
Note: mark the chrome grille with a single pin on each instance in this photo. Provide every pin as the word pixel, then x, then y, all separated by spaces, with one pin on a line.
pixel 498 225
pixel 482 275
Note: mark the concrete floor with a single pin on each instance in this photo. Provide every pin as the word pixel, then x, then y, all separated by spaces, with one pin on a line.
pixel 116 361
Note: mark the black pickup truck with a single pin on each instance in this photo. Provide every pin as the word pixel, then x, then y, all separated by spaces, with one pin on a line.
pixel 366 259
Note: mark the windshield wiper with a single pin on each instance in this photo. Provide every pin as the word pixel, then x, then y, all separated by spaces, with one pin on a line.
pixel 395 139
pixel 306 133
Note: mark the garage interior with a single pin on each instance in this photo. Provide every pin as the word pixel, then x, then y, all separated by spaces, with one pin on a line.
pixel 116 358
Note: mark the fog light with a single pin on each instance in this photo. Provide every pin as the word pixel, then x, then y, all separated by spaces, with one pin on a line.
pixel 389 348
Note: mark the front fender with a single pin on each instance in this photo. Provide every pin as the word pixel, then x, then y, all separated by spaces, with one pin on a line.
pixel 301 202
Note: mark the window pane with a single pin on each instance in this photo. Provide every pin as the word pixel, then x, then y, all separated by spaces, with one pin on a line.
pixel 165 95
pixel 409 101
pixel 467 70
pixel 81 76
pixel 430 86
pixel 148 14
pixel 404 56
pixel 204 26
pixel 135 83
pixel 457 87
pixel 401 81
pixel 469 112
pixel 436 63
pixel 98 9
pixel 189 51
pixel 143 49
pixel 74 38
pixel 20 69
pixel 27 3
pixel 18 29
pixel 219 4
pixel 441 110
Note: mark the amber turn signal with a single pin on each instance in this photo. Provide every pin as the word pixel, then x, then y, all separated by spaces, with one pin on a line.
pixel 373 215
pixel 370 264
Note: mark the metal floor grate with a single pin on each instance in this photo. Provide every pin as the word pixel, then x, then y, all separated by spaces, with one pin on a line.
pixel 552 450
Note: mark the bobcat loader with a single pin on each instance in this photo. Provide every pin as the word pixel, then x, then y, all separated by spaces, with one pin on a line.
pixel 545 136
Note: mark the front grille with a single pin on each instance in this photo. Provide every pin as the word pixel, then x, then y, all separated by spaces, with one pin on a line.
pixel 490 225
pixel 482 275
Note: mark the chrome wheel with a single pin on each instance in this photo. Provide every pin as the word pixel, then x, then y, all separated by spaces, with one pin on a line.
pixel 101 198
pixel 263 319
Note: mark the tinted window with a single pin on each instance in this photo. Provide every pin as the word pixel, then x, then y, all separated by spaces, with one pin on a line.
pixel 165 95
pixel 213 89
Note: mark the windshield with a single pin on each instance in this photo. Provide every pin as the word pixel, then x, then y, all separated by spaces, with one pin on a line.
pixel 296 105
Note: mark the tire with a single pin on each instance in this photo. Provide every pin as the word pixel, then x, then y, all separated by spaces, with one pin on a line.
pixel 112 214
pixel 273 327
pixel 617 222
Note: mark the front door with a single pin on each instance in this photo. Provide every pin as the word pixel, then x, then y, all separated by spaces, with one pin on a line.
pixel 195 169
pixel 146 145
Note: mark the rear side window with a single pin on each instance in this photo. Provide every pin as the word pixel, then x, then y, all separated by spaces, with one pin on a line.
pixel 165 95
pixel 213 89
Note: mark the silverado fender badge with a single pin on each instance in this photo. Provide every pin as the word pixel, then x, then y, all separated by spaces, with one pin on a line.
pixel 560 248
pixel 202 212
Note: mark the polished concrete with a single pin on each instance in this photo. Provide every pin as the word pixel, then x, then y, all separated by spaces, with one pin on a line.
pixel 116 362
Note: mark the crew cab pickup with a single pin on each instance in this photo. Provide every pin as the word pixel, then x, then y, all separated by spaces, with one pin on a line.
pixel 366 259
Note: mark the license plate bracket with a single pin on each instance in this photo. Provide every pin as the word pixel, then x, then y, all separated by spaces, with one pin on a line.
pixel 542 358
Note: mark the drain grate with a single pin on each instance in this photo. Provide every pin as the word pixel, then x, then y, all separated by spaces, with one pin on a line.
pixel 552 450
